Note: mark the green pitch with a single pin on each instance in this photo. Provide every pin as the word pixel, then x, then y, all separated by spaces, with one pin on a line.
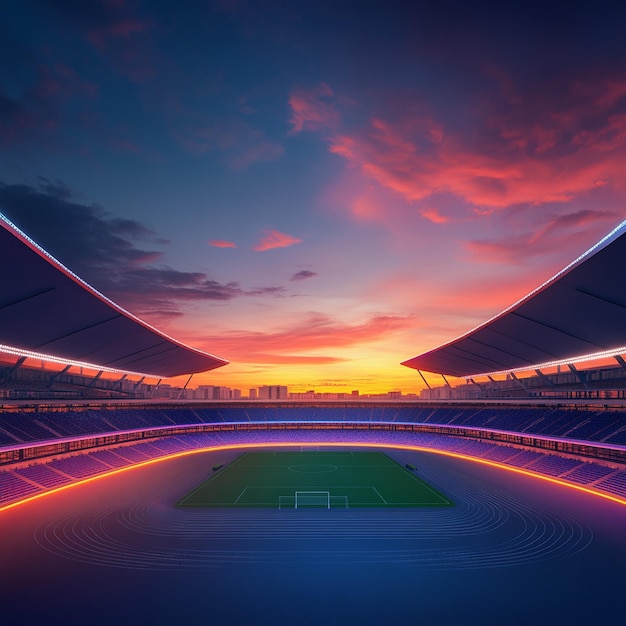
pixel 336 479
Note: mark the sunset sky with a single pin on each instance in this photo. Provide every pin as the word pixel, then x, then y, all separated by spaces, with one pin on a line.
pixel 315 191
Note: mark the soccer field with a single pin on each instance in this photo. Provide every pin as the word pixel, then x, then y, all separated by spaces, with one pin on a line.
pixel 311 479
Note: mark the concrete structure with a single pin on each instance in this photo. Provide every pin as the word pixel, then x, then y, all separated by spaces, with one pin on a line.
pixel 273 392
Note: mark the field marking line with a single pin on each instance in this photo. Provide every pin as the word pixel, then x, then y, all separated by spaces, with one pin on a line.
pixel 211 478
pixel 379 495
pixel 388 459
pixel 417 479
pixel 241 494
pixel 431 489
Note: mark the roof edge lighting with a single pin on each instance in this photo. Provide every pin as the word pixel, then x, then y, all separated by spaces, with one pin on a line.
pixel 30 354
pixel 619 230
pixel 6 223
pixel 604 354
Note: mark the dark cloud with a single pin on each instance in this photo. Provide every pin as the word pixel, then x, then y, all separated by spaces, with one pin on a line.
pixel 238 143
pixel 93 15
pixel 266 291
pixel 558 232
pixel 303 275
pixel 173 283
pixel 117 30
pixel 41 102
pixel 9 109
pixel 106 252
pixel 83 237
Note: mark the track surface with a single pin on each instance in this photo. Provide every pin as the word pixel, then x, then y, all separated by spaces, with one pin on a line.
pixel 512 550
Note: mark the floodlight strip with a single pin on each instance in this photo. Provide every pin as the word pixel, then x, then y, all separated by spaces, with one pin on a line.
pixel 605 354
pixel 333 444
pixel 68 272
pixel 30 354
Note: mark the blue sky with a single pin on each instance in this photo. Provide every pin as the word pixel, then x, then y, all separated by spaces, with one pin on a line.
pixel 313 191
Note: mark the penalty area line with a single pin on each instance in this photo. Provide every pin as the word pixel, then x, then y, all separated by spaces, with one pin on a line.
pixel 379 494
pixel 241 494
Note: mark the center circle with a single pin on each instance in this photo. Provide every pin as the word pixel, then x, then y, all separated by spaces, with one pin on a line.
pixel 312 469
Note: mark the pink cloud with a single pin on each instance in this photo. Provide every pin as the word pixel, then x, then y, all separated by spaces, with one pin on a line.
pixel 518 150
pixel 219 243
pixel 563 232
pixel 274 239
pixel 294 343
pixel 367 208
pixel 434 216
pixel 312 109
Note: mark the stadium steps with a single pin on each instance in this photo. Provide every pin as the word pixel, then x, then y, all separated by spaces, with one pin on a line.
pixel 49 429
pixel 9 438
pixel 130 454
pixel 553 465
pixel 524 458
pixel 615 433
pixel 616 483
pixel 571 430
pixel 500 453
pixel 108 457
pixel 14 487
pixel 81 466
pixel 43 476
pixel 590 473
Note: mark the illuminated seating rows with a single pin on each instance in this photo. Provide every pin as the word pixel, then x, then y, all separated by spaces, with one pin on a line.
pixel 500 453
pixel 615 483
pixel 522 459
pixel 80 466
pixel 110 458
pixel 131 453
pixel 553 465
pixel 13 487
pixel 582 425
pixel 589 473
pixel 43 475
pixel 14 484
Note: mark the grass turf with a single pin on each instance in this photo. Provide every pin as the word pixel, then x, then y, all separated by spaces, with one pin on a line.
pixel 352 479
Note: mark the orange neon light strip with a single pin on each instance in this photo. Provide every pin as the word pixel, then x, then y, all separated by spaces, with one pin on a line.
pixel 330 444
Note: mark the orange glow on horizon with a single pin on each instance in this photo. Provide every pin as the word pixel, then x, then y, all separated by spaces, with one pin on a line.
pixel 333 444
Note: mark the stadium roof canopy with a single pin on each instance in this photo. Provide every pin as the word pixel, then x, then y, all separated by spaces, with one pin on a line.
pixel 579 314
pixel 49 313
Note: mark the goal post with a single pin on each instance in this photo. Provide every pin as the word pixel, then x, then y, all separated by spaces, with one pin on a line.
pixel 317 499
pixel 312 500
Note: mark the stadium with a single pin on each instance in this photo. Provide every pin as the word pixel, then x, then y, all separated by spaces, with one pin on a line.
pixel 493 509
